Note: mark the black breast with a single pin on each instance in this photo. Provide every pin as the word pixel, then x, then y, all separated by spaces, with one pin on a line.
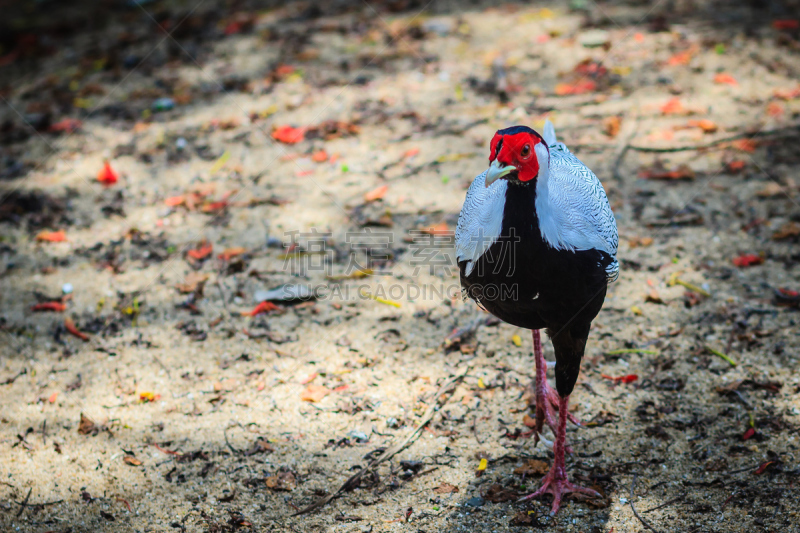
pixel 523 281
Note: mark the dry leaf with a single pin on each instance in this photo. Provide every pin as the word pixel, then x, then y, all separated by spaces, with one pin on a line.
pixel 644 242
pixel 283 481
pixel 745 145
pixel 194 282
pixel 683 172
pixel 532 467
pixel 788 230
pixel 445 488
pixel 499 494
pixel 314 393
pixel 87 426
pixel 708 126
pixel 230 253
pixel 771 189
pixel 653 297
pixel 611 126
pixel 529 421
pixel 131 460
pixel 439 229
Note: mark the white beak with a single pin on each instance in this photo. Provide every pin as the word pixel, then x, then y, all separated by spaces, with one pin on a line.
pixel 497 171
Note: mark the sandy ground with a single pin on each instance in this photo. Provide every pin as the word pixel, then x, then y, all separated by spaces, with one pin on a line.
pixel 196 416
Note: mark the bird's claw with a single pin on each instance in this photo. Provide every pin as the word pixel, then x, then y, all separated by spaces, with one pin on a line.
pixel 558 485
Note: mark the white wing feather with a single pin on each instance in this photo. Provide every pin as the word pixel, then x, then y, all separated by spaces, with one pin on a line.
pixel 480 221
pixel 573 210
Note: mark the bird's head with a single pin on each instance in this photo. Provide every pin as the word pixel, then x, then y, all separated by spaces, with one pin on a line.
pixel 517 154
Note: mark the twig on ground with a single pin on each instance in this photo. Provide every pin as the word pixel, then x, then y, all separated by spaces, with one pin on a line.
pixel 388 453
pixel 712 144
pixel 673 500
pixel 230 447
pixel 163 366
pixel 630 501
pixel 475 429
pixel 11 380
pixel 24 503
pixel 622 149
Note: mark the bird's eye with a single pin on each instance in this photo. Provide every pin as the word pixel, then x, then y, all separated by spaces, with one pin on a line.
pixel 526 150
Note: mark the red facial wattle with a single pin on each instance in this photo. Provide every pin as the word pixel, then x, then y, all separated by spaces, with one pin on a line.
pixel 518 151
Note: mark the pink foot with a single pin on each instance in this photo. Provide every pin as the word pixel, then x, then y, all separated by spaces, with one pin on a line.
pixel 556 482
pixel 558 485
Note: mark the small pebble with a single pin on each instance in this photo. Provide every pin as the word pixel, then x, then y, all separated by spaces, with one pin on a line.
pixel 67 288
pixel 163 104
pixel 477 501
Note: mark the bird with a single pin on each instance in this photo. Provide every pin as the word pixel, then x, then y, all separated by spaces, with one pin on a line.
pixel 536 246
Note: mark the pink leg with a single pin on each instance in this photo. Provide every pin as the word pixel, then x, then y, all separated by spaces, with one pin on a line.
pixel 547 399
pixel 556 482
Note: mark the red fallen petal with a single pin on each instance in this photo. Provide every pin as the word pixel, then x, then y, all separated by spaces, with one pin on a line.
pixel 672 107
pixel 50 306
pixel 70 325
pixel 289 135
pixel 748 260
pixel 563 89
pixel 745 145
pixel 320 156
pixel 736 165
pixel 214 206
pixel 200 253
pixel 764 466
pixel 284 70
pixel 630 378
pixel 107 176
pixel 232 28
pixel 52 236
pixel 749 434
pixel 341 388
pixel 786 24
pixel 725 79
pixel 68 125
pixel 175 201
pixel 263 307
pixel 789 293
pixel 308 379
